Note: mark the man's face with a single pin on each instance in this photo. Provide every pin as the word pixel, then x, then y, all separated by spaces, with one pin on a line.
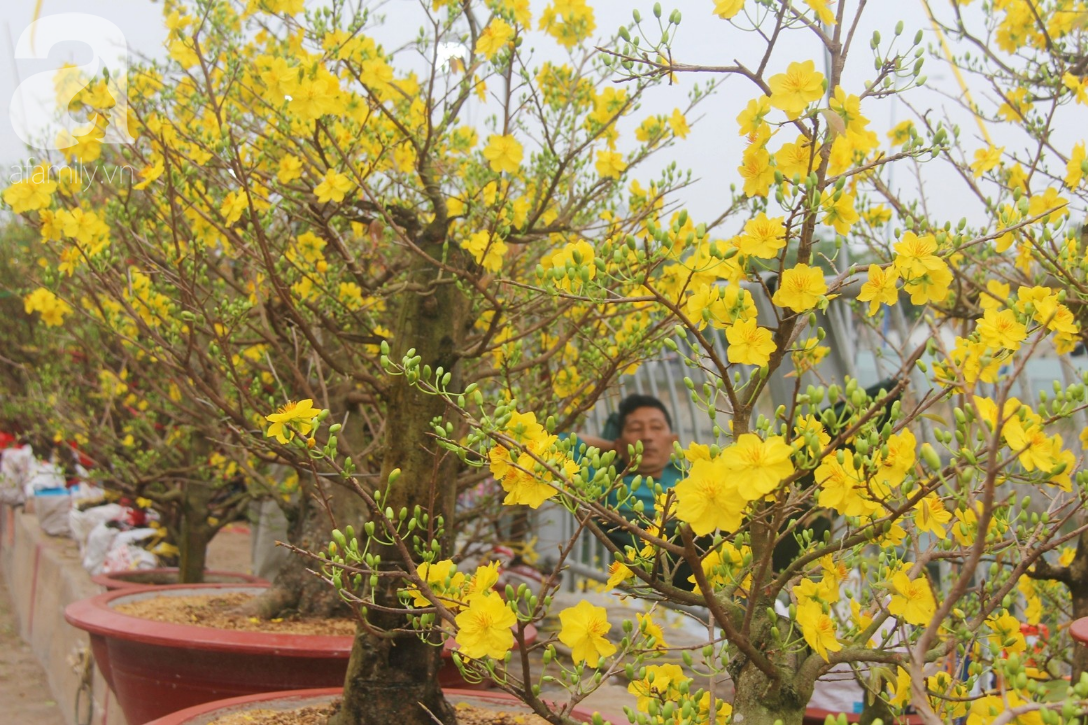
pixel 649 426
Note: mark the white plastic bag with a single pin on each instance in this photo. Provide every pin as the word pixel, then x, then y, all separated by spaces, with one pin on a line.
pixel 99 542
pixel 14 464
pixel 128 557
pixel 52 512
pixel 82 523
pixel 41 476
pixel 126 554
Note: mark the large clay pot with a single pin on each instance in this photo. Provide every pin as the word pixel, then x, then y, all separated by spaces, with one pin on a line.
pixel 166 577
pixel 156 668
pixel 208 712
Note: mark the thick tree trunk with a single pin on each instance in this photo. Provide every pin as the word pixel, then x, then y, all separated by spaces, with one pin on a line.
pixel 395 679
pixel 195 532
pixel 760 701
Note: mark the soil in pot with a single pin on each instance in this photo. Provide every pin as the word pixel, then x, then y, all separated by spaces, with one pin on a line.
pixel 467 714
pixel 229 611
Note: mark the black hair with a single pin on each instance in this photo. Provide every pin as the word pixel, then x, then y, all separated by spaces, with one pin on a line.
pixel 635 401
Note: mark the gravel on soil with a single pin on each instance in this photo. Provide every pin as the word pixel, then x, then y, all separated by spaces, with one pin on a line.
pixel 467 714
pixel 224 611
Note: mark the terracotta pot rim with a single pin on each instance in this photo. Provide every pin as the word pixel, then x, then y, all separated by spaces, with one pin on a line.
pixel 96 616
pixel 1079 630
pixel 181 717
pixel 115 579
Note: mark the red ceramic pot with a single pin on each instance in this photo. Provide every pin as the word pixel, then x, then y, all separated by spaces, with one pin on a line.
pixel 156 668
pixel 1079 630
pixel 166 577
pixel 208 712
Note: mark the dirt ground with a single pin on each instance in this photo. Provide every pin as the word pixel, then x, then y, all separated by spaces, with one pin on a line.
pixel 230 550
pixel 24 693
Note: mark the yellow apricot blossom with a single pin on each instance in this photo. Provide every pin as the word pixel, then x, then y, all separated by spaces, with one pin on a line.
pixel 495 37
pixel 1074 169
pixel 1077 86
pixel 879 288
pixel 824 13
pixel 901 133
pixel 568 21
pixel 749 344
pixel 291 418
pixel 818 629
pixel 610 164
pixel 290 168
pixel 1006 633
pixel 800 288
pixel 651 630
pixel 483 628
pixel 708 498
pixel 986 159
pixel 1031 442
pixel 442 579
pixel 618 572
pixel 334 187
pixel 799 86
pixel 679 124
pixel 892 469
pixel 759 465
pixel 32 193
pixel 1048 201
pixel 1001 330
pixel 757 171
pixel 751 118
pixel 763 237
pixel 915 256
pixel 930 515
pixel 487 250
pixel 965 529
pixel 660 685
pixel 912 599
pixel 795 159
pixel 842 486
pixel 839 211
pixel 503 153
pixel 726 9
pixel 52 308
pixel 583 628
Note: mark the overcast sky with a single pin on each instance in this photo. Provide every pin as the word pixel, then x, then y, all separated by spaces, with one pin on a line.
pixel 713 145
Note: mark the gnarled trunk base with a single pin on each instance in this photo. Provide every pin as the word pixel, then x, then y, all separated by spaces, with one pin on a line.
pixel 760 701
pixel 393 681
pixel 296 590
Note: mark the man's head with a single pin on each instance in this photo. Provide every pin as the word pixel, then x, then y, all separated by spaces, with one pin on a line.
pixel 644 418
